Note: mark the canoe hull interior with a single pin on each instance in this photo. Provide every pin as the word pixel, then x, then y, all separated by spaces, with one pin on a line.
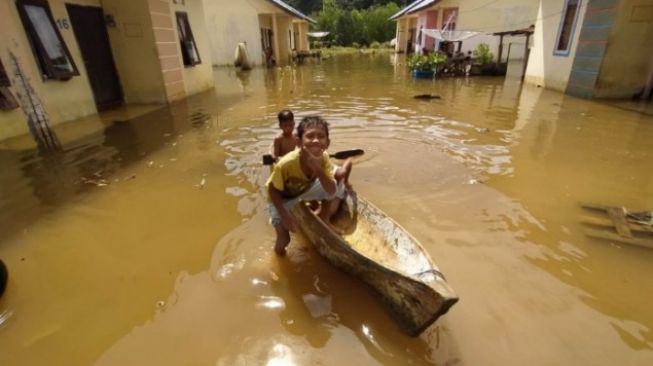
pixel 382 254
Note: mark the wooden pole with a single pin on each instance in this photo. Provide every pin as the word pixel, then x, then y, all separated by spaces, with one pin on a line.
pixel 527 53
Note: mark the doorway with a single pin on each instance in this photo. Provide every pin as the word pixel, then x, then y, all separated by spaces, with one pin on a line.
pixel 411 40
pixel 91 34
pixel 267 45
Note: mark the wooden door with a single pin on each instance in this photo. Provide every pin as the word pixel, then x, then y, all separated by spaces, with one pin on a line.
pixel 91 34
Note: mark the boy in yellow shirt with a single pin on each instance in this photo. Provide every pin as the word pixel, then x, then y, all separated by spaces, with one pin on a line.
pixel 305 173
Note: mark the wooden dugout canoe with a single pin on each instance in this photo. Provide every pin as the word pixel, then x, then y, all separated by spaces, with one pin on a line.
pixel 381 253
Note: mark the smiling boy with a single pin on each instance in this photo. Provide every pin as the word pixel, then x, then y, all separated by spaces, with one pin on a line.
pixel 305 173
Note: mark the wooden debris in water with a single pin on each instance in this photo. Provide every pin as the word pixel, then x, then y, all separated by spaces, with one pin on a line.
pixel 426 97
pixel 202 182
pixel 619 224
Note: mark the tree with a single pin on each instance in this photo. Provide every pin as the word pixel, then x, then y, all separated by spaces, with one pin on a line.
pixel 310 6
pixel 361 26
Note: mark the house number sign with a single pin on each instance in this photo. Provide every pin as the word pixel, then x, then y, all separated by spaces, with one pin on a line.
pixel 63 23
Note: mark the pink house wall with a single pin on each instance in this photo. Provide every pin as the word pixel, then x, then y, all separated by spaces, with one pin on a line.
pixel 426 20
pixel 431 23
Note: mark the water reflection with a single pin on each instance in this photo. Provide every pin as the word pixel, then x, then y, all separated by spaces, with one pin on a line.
pixel 320 300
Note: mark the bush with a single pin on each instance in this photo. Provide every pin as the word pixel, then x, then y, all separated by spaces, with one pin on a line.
pixel 355 45
pixel 482 54
pixel 375 45
pixel 426 62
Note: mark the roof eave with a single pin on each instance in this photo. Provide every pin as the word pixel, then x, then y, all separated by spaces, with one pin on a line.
pixel 292 11
pixel 413 8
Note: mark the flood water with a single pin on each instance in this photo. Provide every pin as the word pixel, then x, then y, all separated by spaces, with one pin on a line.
pixel 145 241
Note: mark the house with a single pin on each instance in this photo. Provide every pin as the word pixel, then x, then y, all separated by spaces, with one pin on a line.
pixel 594 49
pixel 65 59
pixel 480 16
pixel 271 29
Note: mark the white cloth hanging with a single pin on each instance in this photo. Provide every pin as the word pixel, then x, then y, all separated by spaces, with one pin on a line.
pixel 449 35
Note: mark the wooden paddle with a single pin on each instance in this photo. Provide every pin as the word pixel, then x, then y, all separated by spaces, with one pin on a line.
pixel 344 154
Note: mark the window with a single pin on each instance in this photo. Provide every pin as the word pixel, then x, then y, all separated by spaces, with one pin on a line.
pixel 49 48
pixel 7 100
pixel 189 51
pixel 449 18
pixel 567 25
pixel 4 78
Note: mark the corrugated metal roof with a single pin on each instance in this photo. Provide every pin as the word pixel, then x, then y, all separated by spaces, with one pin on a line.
pixel 413 7
pixel 292 11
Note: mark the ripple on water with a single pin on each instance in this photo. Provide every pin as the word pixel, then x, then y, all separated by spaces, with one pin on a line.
pixel 271 303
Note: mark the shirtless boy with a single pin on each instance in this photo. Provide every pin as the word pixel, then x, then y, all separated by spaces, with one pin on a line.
pixel 286 141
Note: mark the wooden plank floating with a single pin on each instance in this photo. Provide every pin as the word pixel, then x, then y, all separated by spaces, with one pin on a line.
pixel 607 235
pixel 619 224
pixel 606 222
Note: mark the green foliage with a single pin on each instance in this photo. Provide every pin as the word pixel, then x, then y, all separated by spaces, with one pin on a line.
pixel 375 45
pixel 482 54
pixel 310 6
pixel 361 26
pixel 305 6
pixel 422 62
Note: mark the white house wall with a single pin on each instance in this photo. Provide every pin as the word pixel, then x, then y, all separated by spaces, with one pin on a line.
pixel 230 22
pixel 486 17
pixel 491 17
pixel 197 78
pixel 497 16
pixel 545 68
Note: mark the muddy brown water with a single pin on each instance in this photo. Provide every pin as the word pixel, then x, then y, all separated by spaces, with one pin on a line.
pixel 145 241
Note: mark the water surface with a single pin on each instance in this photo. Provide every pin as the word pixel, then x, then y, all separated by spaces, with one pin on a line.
pixel 145 240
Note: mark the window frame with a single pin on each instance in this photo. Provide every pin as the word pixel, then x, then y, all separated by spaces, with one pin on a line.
pixel 185 37
pixel 46 66
pixel 572 31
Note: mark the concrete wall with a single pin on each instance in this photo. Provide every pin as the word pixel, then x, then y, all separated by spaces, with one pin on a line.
pixel 628 56
pixel 545 68
pixel 197 78
pixel 146 50
pixel 496 16
pixel 284 25
pixel 229 23
pixel 303 43
pixel 401 35
pixel 135 51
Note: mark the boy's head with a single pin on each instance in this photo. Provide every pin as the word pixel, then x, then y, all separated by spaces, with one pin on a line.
pixel 286 122
pixel 313 128
pixel 312 121
pixel 285 116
